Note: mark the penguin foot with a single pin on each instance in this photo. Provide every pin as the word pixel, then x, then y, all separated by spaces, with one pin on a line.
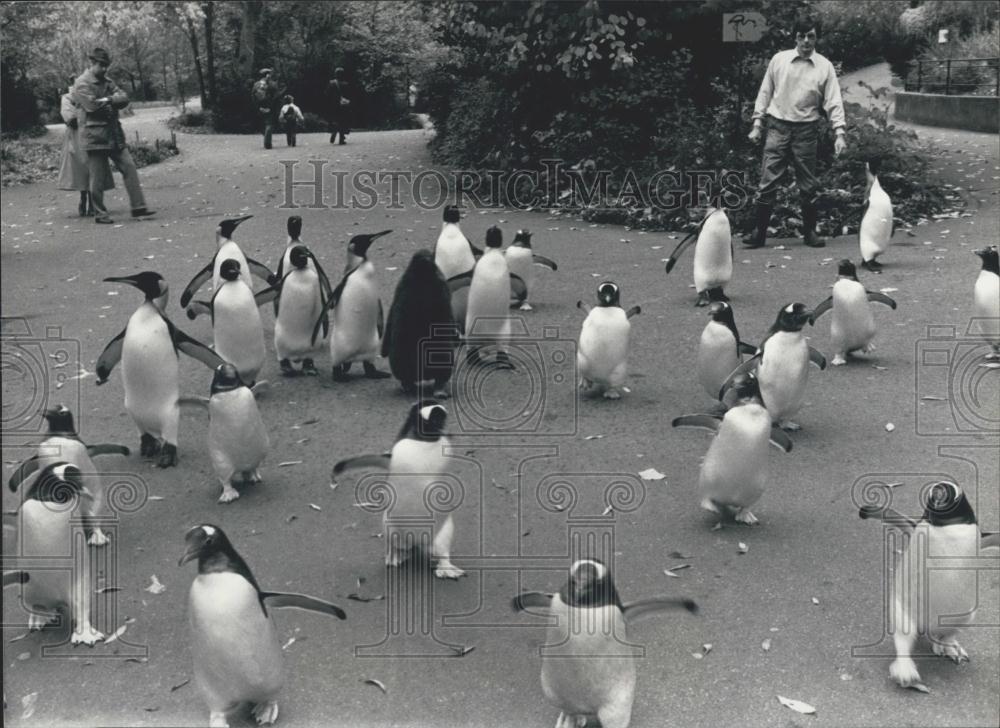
pixel 168 457
pixel 703 300
pixel 612 393
pixel 526 307
pixel 447 570
pixel 40 621
pixel 372 373
pixel 394 558
pixel 85 635
pixel 745 516
pixel 952 650
pixel 309 368
pixel 254 476
pixel 340 373
pixel 287 370
pixel 839 360
pixel 229 494
pixel 873 265
pixel 904 671
pixel 98 538
pixel 789 426
pixel 148 445
pixel 266 713
pixel 217 719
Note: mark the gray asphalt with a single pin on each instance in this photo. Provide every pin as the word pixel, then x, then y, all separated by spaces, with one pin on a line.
pixel 812 579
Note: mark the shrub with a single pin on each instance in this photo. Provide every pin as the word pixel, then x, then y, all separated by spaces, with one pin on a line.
pixel 977 79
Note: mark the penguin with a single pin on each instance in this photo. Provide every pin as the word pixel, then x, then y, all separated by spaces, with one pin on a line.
pixel 227 250
pixel 584 673
pixel 734 472
pixel 521 261
pixel 720 349
pixel 487 320
pixel 713 256
pixel 63 445
pixel 939 602
pixel 416 461
pixel 986 300
pixel 602 354
pixel 46 521
pixel 236 323
pixel 782 364
pixel 148 349
pixel 876 220
pixel 421 334
pixel 301 293
pixel 235 646
pixel 453 253
pixel 853 325
pixel 358 319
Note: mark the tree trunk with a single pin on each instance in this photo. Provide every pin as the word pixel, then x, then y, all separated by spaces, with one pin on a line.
pixel 248 38
pixel 193 37
pixel 209 9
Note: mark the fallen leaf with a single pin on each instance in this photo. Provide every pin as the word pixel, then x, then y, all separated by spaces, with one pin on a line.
pixel 360 598
pixel 652 474
pixel 291 518
pixel 155 586
pixel 797 705
pixel 593 437
pixel 140 660
pixel 289 462
pixel 706 648
pixel 930 398
pixel 107 589
pixel 815 600
pixel 291 641
pixel 697 655
pixel 28 704
pixel 889 427
pixel 679 555
pixel 766 645
pixel 24 656
pixel 881 369
pixel 463 651
pixel 845 677
pixel 156 497
pixel 315 507
pixel 668 572
pixel 742 547
pixel 19 637
pixel 377 683
pixel 118 633
pixel 888 290
pixel 152 709
pixel 178 686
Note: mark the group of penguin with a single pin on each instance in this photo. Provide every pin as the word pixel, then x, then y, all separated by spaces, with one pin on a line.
pixel 452 296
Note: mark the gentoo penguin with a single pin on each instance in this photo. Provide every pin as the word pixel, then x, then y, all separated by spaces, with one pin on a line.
pixel 358 319
pixel 148 348
pixel 236 323
pixel 720 349
pixel 602 356
pixel 487 320
pixel 421 334
pixel 521 261
pixel 234 642
pixel 734 472
pixel 63 445
pixel 415 464
pixel 933 602
pixel 876 221
pixel 46 521
pixel 986 300
pixel 302 293
pixel 455 256
pixel 853 325
pixel 782 364
pixel 584 673
pixel 713 256
pixel 227 249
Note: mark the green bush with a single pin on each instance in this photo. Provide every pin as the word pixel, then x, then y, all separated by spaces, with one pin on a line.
pixel 145 154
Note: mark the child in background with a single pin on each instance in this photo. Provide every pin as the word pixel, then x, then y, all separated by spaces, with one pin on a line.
pixel 291 117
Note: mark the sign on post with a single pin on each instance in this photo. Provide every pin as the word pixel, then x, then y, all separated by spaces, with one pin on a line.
pixel 747 27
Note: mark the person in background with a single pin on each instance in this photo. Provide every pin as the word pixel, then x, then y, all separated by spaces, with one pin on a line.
pixel 102 137
pixel 798 86
pixel 265 96
pixel 73 172
pixel 338 107
pixel 291 117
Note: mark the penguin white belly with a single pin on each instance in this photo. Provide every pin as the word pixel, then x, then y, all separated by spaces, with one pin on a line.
pixel 986 306
pixel 735 470
pixel 354 329
pixel 489 299
pixel 783 373
pixel 602 356
pixel 149 374
pixel 237 438
pixel 713 256
pixel 876 225
pixel 853 325
pixel 521 262
pixel 45 531
pixel 230 251
pixel 237 656
pixel 298 311
pixel 587 671
pixel 239 333
pixel 453 254
pixel 413 467
pixel 717 357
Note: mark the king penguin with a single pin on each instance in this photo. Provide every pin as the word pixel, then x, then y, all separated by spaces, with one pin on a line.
pixel 455 256
pixel 63 444
pixel 584 670
pixel 358 319
pixel 876 222
pixel 226 249
pixel 734 472
pixel 853 325
pixel 148 349
pixel 933 602
pixel 421 334
pixel 713 256
pixel 234 642
pixel 416 465
pixel 294 240
pixel 46 522
pixel 602 355
pixel 986 301
pixel 720 349
pixel 487 321
pixel 521 260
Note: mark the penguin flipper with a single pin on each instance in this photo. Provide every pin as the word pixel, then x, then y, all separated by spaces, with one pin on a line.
pixel 682 246
pixel 744 348
pixel 363 461
pixel 111 355
pixel 286 600
pixel 477 253
pixel 261 271
pixel 634 311
pixel 780 439
pixel 200 308
pixel 822 309
pixel 11 578
pixel 267 295
pixel 990 539
pixel 194 348
pixel 585 307
pixel 890 516
pixel 197 282
pixel 817 358
pixel 193 401
pixel 24 470
pixel 543 261
pixel 701 421
pixel 457 283
pixel 326 291
pixel 107 448
pixel 531 600
pixel 518 288
pixel 645 607
pixel 881 298
pixel 380 321
pixel 744 368
pixel 339 290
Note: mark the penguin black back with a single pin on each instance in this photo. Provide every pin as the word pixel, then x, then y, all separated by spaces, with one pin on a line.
pixel 60 421
pixel 226 378
pixel 216 554
pixel 590 585
pixel 991 259
pixel 947 505
pixel 425 421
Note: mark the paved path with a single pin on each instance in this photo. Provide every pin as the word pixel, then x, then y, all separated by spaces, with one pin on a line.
pixel 811 581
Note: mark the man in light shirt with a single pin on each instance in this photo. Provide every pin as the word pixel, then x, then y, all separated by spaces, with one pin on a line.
pixel 798 85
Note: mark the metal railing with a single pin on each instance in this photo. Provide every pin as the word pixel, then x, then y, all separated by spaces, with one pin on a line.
pixel 955 76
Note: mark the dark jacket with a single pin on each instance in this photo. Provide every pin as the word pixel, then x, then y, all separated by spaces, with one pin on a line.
pixel 99 128
pixel 336 91
pixel 265 96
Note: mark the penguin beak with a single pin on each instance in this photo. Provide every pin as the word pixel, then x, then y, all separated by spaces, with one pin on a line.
pixel 376 236
pixel 981 252
pixel 190 554
pixel 131 280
